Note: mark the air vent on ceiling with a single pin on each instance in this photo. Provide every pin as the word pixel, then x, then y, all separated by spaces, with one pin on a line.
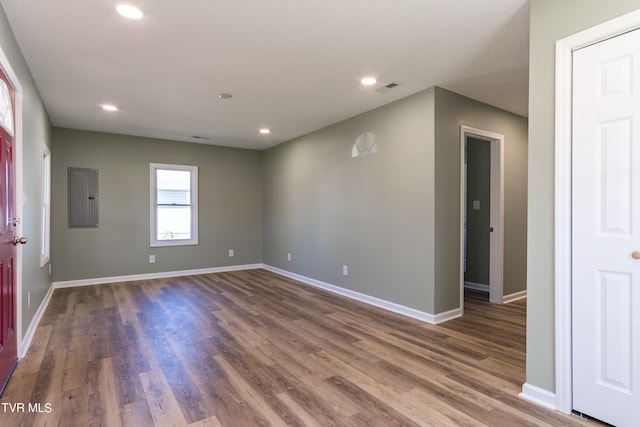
pixel 200 137
pixel 387 87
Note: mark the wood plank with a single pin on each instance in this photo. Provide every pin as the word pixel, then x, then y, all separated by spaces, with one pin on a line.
pixel 209 422
pixel 136 414
pixel 185 391
pixel 228 406
pixel 166 411
pixel 108 393
pixel 252 396
pixel 299 411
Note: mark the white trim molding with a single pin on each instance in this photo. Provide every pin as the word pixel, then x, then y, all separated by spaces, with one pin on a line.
pixel 367 299
pixel 538 396
pixel 496 245
pixel 31 330
pixel 150 276
pixel 155 205
pixel 514 297
pixel 477 286
pixel 563 218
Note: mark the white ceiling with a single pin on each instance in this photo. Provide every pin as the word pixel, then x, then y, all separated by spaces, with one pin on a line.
pixel 292 65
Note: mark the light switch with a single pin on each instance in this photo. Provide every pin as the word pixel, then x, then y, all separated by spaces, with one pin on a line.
pixel 476 205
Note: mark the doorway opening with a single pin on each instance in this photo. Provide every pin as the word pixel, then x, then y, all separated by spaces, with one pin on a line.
pixel 481 213
pixel 477 220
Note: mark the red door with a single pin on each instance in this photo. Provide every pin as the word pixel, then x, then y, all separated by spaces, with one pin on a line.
pixel 8 241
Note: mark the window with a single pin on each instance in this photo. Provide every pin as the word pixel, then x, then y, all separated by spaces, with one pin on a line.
pixel 6 111
pixel 365 144
pixel 174 205
pixel 46 206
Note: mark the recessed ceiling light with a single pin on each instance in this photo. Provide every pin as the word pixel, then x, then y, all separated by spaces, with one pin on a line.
pixel 265 131
pixel 109 107
pixel 129 11
pixel 368 81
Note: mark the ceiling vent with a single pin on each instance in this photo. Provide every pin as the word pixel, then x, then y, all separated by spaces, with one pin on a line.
pixel 206 138
pixel 387 87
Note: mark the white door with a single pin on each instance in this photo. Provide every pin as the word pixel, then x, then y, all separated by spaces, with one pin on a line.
pixel 606 230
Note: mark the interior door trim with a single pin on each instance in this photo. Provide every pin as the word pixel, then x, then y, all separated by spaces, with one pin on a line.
pixel 496 259
pixel 19 193
pixel 562 233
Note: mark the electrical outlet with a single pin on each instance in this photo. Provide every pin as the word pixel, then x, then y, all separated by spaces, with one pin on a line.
pixel 345 270
pixel 231 252
pixel 152 259
pixel 289 256
pixel 28 299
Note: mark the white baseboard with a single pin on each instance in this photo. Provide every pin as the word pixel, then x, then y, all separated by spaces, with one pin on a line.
pixel 150 276
pixel 477 286
pixel 514 297
pixel 31 330
pixel 446 316
pixel 377 302
pixel 539 396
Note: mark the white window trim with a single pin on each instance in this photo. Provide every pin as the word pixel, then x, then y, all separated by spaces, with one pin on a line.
pixel 154 242
pixel 45 248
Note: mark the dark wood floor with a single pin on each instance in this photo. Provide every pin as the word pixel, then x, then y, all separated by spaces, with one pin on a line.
pixel 253 348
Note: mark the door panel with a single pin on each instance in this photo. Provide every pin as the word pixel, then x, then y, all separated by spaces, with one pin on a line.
pixel 614 147
pixel 606 229
pixel 613 315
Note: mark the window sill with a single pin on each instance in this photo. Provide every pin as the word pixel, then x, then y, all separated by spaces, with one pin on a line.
pixel 163 243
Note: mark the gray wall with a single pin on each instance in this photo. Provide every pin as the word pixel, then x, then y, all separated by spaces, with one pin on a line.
pixel 453 111
pixel 36 131
pixel 393 217
pixel 478 161
pixel 372 213
pixel 551 20
pixel 230 206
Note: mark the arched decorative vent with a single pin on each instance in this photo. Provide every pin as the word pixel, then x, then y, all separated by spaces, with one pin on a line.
pixel 6 109
pixel 365 144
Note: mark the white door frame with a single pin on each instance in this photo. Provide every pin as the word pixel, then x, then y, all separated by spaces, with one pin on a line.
pixel 13 78
pixel 496 241
pixel 563 119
